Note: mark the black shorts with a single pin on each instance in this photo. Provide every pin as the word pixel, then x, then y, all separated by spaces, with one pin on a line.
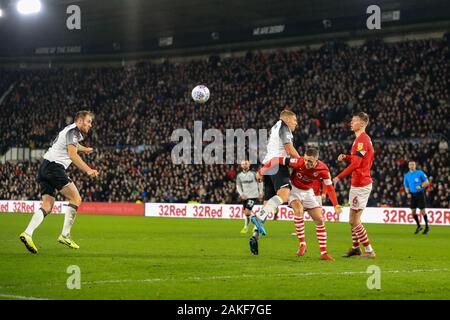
pixel 418 200
pixel 52 177
pixel 280 178
pixel 249 203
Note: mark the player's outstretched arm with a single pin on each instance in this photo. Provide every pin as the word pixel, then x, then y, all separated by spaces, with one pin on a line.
pixel 84 149
pixel 284 161
pixel 291 151
pixel 78 162
pixel 345 157
pixel 355 164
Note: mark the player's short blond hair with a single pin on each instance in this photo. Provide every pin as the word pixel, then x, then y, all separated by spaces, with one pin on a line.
pixel 287 113
pixel 83 113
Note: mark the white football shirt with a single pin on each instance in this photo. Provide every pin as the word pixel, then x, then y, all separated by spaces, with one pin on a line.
pixel 58 151
pixel 280 134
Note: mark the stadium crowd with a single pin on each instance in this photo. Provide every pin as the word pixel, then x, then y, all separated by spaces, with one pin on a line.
pixel 404 87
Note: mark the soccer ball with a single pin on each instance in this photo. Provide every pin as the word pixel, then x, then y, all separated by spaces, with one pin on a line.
pixel 200 94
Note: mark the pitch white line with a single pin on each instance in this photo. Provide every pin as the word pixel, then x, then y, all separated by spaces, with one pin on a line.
pixel 232 277
pixel 20 297
pixel 305 274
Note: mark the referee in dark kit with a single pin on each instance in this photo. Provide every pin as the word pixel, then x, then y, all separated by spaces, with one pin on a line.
pixel 415 182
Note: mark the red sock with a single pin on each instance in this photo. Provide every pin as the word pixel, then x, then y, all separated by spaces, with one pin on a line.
pixel 300 229
pixel 362 235
pixel 321 233
pixel 355 237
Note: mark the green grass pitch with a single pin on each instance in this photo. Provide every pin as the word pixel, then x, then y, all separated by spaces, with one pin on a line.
pixel 168 258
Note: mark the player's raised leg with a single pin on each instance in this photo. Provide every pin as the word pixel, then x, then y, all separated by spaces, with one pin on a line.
pixel 270 206
pixel 36 220
pixel 71 193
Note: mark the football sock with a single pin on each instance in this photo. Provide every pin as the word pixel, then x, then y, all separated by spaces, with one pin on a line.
pixel 321 233
pixel 69 218
pixel 300 229
pixel 363 238
pixel 270 206
pixel 355 239
pixel 246 220
pixel 416 218
pixel 36 220
pixel 425 218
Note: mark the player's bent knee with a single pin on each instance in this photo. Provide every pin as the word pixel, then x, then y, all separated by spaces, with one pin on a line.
pixel 284 193
pixel 76 200
pixel 299 214
pixel 47 209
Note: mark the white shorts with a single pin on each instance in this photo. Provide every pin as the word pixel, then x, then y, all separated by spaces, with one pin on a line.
pixel 359 196
pixel 319 200
pixel 306 197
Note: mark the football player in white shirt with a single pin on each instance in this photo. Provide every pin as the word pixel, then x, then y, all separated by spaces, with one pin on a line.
pixel 52 178
pixel 250 191
pixel 277 184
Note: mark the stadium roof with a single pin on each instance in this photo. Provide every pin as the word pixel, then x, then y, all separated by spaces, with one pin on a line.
pixel 133 25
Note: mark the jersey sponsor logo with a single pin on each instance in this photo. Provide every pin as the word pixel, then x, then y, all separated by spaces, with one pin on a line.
pixel 303 178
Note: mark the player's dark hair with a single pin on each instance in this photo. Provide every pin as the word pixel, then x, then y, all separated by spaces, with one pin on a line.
pixel 363 116
pixel 312 152
pixel 83 113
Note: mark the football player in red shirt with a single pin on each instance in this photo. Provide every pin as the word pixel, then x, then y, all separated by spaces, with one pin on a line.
pixel 317 186
pixel 307 169
pixel 360 159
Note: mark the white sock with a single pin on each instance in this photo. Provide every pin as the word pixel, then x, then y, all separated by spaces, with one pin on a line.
pixel 270 207
pixel 36 220
pixel 246 220
pixel 69 218
pixel 369 248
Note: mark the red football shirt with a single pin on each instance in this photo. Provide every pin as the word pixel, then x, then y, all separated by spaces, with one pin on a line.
pixel 316 187
pixel 362 147
pixel 303 178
